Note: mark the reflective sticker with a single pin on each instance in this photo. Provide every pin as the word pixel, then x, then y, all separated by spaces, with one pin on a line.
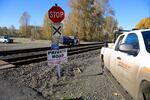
pixel 123 65
pixel 146 69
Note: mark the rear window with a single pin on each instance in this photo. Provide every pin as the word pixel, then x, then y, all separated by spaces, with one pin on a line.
pixel 146 37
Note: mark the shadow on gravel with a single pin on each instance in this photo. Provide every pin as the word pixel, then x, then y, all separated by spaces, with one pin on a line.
pixel 78 98
pixel 92 75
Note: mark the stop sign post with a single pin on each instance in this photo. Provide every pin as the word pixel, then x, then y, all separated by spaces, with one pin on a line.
pixel 56 14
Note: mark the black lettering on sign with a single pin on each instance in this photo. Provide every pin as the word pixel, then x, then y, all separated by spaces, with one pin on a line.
pixel 57 56
pixel 53 56
pixel 53 52
pixel 57 52
pixel 49 52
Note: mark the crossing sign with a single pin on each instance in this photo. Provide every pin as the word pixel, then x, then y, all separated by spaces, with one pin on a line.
pixel 57 29
pixel 55 56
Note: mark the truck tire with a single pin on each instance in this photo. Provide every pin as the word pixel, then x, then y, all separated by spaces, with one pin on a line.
pixel 146 94
pixel 102 63
pixel 146 91
pixel 5 42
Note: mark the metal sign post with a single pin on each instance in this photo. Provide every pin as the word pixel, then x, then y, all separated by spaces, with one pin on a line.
pixel 55 55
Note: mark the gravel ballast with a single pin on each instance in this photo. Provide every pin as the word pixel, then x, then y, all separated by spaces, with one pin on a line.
pixel 81 78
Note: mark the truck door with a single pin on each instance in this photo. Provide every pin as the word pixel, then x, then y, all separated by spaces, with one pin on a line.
pixel 128 64
pixel 113 60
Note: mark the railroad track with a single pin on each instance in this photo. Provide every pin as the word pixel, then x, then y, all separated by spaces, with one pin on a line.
pixel 27 56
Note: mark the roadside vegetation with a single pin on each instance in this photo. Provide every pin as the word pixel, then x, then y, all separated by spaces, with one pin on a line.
pixel 144 23
pixel 88 20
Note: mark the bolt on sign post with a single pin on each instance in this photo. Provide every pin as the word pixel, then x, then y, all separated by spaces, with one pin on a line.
pixel 55 56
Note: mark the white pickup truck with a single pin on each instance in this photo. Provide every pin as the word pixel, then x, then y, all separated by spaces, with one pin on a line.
pixel 128 60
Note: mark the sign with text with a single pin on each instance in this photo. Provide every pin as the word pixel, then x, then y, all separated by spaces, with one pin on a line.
pixel 57 56
pixel 56 14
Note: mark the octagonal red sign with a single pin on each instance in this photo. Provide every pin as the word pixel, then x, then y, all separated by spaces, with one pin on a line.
pixel 56 14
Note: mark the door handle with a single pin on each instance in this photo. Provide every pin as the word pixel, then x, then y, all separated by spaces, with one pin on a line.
pixel 119 58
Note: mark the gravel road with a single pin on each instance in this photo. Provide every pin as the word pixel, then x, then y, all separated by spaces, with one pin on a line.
pixel 81 78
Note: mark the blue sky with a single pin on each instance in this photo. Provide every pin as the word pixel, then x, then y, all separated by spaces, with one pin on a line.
pixel 127 12
pixel 130 12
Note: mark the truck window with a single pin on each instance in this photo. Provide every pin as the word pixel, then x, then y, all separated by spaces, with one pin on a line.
pixel 133 40
pixel 119 42
pixel 146 37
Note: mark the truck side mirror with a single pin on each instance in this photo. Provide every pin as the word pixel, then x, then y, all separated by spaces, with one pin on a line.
pixel 128 48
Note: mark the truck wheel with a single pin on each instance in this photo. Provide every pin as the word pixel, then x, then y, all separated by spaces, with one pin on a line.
pixel 146 90
pixel 5 42
pixel 102 64
pixel 146 94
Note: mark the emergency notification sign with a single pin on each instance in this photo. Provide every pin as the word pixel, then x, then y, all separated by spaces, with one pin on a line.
pixel 56 14
pixel 57 56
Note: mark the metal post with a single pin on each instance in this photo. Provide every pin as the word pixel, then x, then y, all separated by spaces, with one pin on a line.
pixel 58 70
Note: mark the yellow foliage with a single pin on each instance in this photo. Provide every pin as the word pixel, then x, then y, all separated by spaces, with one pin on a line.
pixel 86 19
pixel 144 23
pixel 46 34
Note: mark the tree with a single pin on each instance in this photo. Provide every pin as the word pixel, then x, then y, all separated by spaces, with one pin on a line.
pixel 87 18
pixel 12 30
pixel 1 31
pixel 24 23
pixel 68 29
pixel 33 32
pixel 110 26
pixel 5 31
pixel 144 23
pixel 46 34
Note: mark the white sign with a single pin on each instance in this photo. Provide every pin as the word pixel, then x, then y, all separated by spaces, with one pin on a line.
pixel 57 39
pixel 57 29
pixel 57 56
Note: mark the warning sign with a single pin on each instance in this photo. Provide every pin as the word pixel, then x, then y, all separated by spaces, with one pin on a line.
pixel 57 29
pixel 57 56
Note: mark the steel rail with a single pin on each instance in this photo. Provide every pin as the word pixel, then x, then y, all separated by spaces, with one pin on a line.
pixel 33 55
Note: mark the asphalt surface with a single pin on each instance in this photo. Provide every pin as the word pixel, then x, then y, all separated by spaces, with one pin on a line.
pixel 12 91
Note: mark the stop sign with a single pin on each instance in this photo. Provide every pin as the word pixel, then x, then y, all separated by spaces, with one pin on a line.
pixel 56 14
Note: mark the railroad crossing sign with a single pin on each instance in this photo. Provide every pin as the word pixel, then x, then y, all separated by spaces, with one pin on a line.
pixel 57 29
pixel 56 14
